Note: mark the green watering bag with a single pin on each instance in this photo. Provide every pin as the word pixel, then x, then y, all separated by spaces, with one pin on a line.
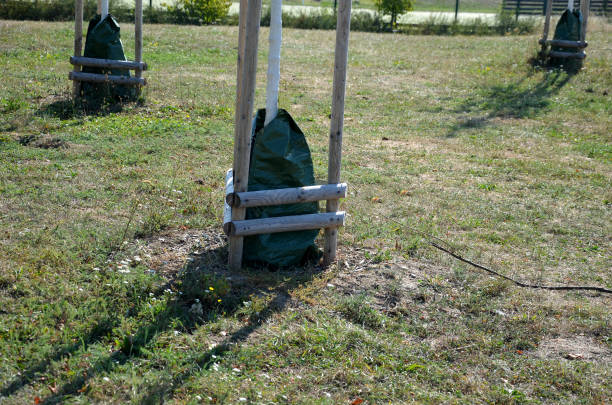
pixel 103 41
pixel 568 29
pixel 280 158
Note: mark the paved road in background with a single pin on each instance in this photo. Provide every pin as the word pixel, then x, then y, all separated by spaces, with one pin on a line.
pixel 412 17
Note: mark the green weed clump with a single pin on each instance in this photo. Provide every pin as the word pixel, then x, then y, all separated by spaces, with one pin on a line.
pixel 358 310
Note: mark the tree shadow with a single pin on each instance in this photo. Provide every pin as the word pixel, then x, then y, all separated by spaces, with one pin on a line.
pixel 198 271
pixel 513 100
pixel 66 108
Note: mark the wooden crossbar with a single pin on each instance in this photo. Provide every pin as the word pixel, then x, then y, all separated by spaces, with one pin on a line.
pixel 107 63
pixel 286 195
pixel 100 78
pixel 286 224
pixel 563 43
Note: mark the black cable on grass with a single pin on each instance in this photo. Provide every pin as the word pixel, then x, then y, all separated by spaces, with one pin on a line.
pixel 429 238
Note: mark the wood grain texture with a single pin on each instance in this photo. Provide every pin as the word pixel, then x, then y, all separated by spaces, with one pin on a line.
pixel 242 135
pixel 107 63
pixel 287 223
pixel 286 195
pixel 100 78
pixel 78 44
pixel 337 119
pixel 584 9
pixel 138 36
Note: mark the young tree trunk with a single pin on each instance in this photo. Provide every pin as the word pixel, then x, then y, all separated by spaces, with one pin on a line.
pixel 273 79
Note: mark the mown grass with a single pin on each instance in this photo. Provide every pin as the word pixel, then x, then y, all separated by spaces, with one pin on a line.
pixel 457 136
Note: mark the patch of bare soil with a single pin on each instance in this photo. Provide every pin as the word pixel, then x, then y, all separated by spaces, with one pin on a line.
pixel 577 347
pixel 389 284
pixel 170 251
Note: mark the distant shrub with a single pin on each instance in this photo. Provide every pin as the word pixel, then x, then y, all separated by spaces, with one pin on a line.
pixel 199 11
pixel 507 23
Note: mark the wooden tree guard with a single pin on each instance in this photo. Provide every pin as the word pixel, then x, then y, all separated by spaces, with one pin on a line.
pixel 546 43
pixel 237 197
pixel 138 66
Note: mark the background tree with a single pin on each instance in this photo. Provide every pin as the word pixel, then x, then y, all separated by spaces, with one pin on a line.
pixel 394 8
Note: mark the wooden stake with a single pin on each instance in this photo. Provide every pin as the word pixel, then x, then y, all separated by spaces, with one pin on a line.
pixel 242 135
pixel 138 36
pixel 584 5
pixel 78 43
pixel 337 120
pixel 99 10
pixel 549 4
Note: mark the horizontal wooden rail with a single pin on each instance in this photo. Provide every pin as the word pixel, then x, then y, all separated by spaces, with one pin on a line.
pixel 107 63
pixel 567 55
pixel 563 43
pixel 285 224
pixel 100 78
pixel 286 195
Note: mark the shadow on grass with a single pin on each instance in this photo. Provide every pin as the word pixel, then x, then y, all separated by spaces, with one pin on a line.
pixel 66 108
pixel 198 267
pixel 513 100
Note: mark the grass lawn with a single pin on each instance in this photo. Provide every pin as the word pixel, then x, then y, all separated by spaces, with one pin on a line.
pixel 113 287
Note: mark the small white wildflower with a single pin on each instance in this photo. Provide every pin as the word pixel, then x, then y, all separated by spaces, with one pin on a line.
pixel 137 259
pixel 106 379
pixel 242 399
pixel 176 333
pixel 96 269
pixel 236 370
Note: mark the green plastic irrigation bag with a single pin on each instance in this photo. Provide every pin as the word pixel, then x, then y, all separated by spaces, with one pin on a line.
pixel 568 29
pixel 280 158
pixel 103 41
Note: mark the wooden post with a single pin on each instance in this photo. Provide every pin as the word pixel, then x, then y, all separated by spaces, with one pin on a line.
pixel 99 10
pixel 241 40
pixel 138 36
pixel 549 4
pixel 584 5
pixel 78 43
pixel 242 135
pixel 343 27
